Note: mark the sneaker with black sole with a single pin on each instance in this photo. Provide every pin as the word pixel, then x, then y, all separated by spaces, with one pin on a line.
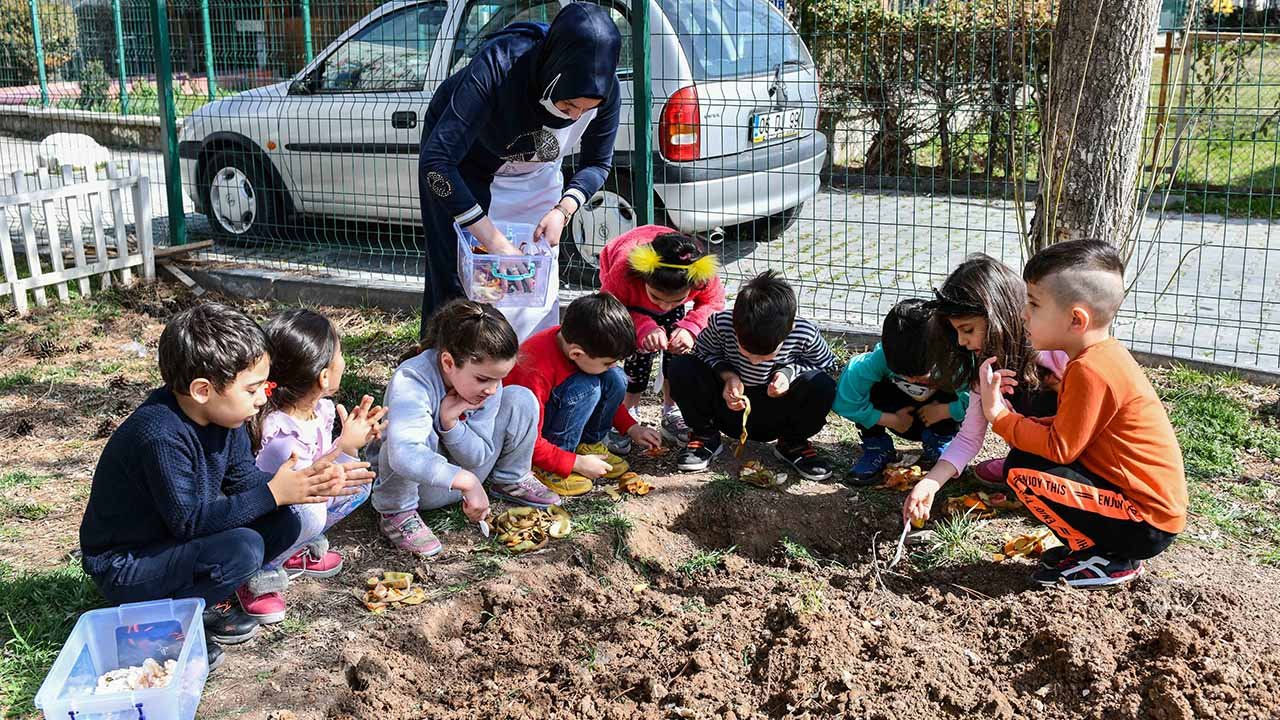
pixel 932 447
pixel 805 460
pixel 877 453
pixel 213 655
pixel 618 443
pixel 698 454
pixel 1054 555
pixel 1086 569
pixel 227 624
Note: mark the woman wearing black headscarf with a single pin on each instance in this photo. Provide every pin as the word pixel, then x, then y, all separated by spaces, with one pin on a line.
pixel 496 133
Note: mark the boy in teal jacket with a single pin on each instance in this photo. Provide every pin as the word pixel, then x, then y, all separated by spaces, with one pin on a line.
pixel 891 388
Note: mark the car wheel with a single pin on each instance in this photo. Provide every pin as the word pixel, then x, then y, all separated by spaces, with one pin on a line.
pixel 606 215
pixel 770 228
pixel 238 196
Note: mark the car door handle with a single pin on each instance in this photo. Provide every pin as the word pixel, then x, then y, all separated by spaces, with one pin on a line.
pixel 404 119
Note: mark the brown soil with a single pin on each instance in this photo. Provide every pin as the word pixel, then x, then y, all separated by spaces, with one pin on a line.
pixel 616 625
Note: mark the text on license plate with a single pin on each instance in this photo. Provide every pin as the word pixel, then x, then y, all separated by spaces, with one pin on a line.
pixel 774 125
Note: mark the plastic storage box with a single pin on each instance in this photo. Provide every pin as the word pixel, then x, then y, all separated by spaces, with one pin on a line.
pixel 109 639
pixel 506 280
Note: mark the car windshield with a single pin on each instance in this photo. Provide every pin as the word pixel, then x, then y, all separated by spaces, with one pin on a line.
pixel 733 38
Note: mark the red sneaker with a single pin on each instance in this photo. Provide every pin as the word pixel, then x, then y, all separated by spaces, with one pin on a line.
pixel 304 563
pixel 991 473
pixel 267 608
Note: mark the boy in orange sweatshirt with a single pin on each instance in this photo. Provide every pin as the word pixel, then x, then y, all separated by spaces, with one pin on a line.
pixel 1105 474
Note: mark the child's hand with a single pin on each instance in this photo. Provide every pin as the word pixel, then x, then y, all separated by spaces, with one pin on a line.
pixel 451 409
pixel 314 484
pixel 681 341
pixel 361 425
pixel 735 393
pixel 900 421
pixel 916 508
pixel 778 386
pixel 475 501
pixel 934 413
pixel 354 474
pixel 592 466
pixel 653 342
pixel 990 385
pixel 645 437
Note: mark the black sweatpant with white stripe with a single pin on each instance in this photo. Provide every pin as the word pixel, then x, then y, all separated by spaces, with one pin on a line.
pixel 791 419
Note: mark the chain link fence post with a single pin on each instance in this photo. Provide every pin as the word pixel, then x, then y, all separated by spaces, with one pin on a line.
pixel 121 71
pixel 642 98
pixel 168 120
pixel 40 71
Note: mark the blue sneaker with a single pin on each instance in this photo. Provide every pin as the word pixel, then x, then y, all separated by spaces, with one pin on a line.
pixel 877 453
pixel 934 444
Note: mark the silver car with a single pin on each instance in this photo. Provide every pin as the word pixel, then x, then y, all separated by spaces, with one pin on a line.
pixel 735 101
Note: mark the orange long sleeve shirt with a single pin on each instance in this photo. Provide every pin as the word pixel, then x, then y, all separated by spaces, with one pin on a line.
pixel 1110 419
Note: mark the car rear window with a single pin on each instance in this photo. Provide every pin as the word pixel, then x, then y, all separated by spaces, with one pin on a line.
pixel 733 38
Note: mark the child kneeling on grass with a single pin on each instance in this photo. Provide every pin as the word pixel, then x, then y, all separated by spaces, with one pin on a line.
pixel 572 371
pixel 297 422
pixel 655 271
pixel 893 388
pixel 177 508
pixel 762 353
pixel 451 425
pixel 1105 474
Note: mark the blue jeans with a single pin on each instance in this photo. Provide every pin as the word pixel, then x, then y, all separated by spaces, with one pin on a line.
pixel 581 408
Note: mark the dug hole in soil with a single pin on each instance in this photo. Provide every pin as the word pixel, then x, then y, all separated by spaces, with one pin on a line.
pixel 608 626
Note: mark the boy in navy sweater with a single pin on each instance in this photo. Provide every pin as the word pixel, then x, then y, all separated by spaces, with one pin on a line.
pixel 178 508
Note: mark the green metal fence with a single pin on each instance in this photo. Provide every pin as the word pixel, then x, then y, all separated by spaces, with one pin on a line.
pixel 860 147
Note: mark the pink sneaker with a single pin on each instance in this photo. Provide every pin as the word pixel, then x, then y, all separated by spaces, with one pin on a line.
pixel 266 608
pixel 408 532
pixel 991 473
pixel 304 563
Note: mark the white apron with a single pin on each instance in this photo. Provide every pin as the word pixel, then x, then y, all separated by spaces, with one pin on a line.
pixel 522 192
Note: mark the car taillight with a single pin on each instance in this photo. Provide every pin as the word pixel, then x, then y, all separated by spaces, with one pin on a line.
pixel 680 129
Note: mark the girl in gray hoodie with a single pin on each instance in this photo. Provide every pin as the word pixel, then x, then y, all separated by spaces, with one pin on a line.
pixel 452 425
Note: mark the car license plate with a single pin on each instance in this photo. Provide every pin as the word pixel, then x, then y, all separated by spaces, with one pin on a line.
pixel 775 125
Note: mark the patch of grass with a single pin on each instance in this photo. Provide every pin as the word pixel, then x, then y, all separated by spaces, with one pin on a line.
pixel 1213 427
pixel 356 385
pixel 1246 513
pixel 704 561
pixel 37 612
pixel 811 599
pixel 590 515
pixel 382 339
pixel 795 550
pixel 723 487
pixel 294 624
pixel 21 378
pixel 19 478
pixel 22 510
pixel 957 540
pixel 446 519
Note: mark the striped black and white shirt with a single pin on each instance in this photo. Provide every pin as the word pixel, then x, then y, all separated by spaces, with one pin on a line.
pixel 803 350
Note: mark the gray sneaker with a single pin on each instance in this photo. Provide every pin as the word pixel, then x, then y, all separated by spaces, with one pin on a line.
pixel 673 427
pixel 618 443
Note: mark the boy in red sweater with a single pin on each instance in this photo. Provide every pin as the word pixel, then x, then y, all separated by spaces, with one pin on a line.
pixel 655 271
pixel 571 370
pixel 1105 473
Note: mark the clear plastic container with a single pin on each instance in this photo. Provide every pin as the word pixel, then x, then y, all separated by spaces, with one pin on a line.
pixel 506 280
pixel 112 638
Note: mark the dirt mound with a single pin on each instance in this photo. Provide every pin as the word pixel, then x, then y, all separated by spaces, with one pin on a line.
pixel 623 629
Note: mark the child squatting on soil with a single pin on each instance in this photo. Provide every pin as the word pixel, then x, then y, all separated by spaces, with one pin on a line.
pixel 177 508
pixel 975 315
pixel 1105 474
pixel 655 271
pixel 451 425
pixel 893 388
pixel 758 356
pixel 297 422
pixel 571 371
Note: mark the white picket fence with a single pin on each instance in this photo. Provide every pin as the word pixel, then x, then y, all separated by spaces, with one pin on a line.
pixel 62 233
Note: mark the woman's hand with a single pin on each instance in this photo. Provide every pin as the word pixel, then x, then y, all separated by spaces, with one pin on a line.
pixel 552 225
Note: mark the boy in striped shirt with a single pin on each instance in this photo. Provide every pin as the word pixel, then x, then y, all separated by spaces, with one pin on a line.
pixel 762 353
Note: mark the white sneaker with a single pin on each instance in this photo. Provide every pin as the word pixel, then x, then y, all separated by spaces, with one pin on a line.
pixel 618 443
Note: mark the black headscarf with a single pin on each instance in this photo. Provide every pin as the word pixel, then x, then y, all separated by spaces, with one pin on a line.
pixel 578 59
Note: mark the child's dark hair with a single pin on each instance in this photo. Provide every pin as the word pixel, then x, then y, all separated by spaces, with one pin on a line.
pixel 469 331
pixel 981 287
pixel 905 338
pixel 1081 272
pixel 675 249
pixel 764 313
pixel 211 341
pixel 303 343
pixel 600 324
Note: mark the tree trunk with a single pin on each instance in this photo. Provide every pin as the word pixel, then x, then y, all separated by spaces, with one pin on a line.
pixel 1100 78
